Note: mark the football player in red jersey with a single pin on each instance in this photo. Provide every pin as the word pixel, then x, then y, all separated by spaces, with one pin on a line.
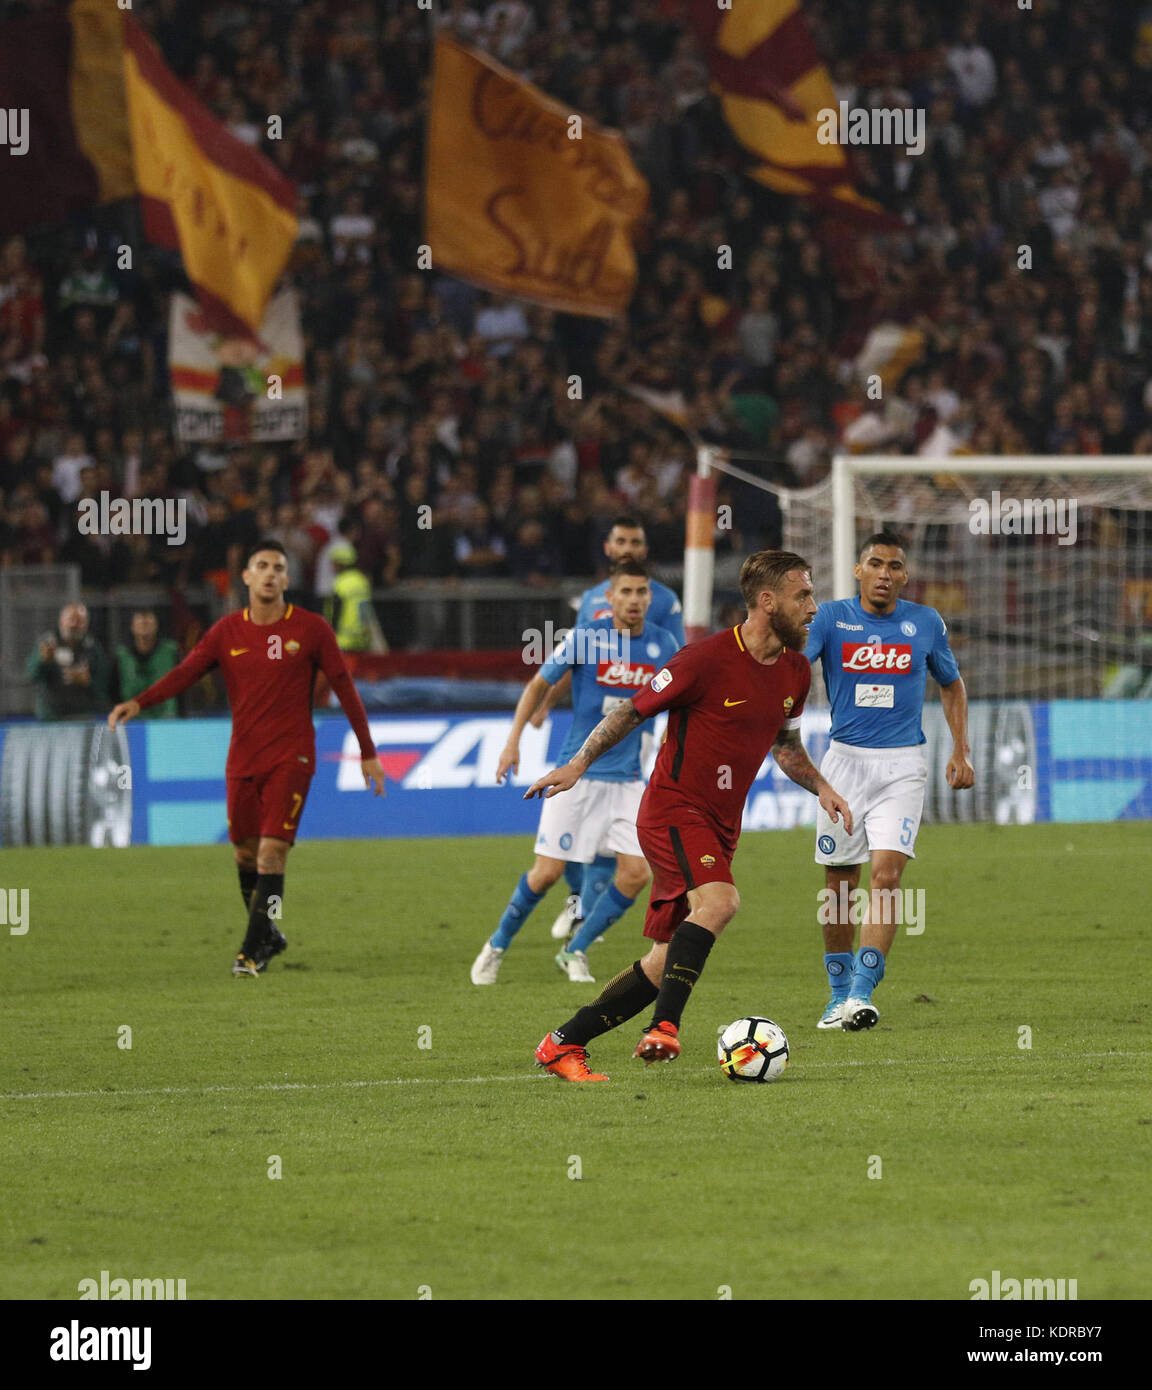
pixel 731 698
pixel 269 654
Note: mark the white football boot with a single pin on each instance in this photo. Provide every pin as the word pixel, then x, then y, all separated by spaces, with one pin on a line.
pixel 486 966
pixel 833 1014
pixel 575 965
pixel 565 924
pixel 858 1014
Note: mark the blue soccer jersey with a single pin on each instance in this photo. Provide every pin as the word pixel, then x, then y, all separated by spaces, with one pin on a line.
pixel 664 611
pixel 875 669
pixel 607 668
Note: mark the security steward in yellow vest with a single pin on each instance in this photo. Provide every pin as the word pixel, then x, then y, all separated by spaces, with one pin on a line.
pixel 350 607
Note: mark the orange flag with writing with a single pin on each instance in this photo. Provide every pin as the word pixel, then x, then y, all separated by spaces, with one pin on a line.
pixel 525 197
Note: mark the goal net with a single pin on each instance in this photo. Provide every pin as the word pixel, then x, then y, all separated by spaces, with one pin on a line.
pixel 1042 569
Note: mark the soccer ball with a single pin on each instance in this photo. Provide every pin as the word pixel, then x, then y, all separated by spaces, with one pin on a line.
pixel 752 1049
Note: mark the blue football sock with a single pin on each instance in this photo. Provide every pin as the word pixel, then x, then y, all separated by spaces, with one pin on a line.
pixel 610 907
pixel 520 904
pixel 597 877
pixel 574 876
pixel 867 972
pixel 839 967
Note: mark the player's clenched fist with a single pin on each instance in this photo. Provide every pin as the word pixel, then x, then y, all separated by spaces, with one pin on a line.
pixel 960 773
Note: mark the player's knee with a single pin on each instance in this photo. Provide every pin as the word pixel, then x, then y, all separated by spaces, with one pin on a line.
pixel 887 878
pixel 718 907
pixel 730 902
pixel 272 857
pixel 245 856
pixel 631 882
pixel 544 873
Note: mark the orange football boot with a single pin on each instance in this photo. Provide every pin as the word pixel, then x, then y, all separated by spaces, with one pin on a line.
pixel 566 1060
pixel 661 1043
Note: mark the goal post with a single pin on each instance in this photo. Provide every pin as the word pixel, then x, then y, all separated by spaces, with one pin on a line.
pixel 1042 570
pixel 1060 471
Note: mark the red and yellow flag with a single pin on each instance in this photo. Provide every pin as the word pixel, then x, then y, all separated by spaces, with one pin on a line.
pixel 524 196
pixel 772 81
pixel 107 120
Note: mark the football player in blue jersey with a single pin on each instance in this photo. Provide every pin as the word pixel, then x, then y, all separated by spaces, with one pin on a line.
pixel 610 659
pixel 625 541
pixel 876 651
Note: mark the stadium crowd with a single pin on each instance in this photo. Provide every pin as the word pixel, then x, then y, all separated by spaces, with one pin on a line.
pixel 425 392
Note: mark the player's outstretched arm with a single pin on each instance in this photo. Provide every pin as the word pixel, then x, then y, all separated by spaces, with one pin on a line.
pixel 954 701
pixel 793 761
pixel 197 663
pixel 607 734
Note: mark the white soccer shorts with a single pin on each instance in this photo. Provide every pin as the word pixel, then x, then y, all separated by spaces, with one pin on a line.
pixel 884 789
pixel 591 818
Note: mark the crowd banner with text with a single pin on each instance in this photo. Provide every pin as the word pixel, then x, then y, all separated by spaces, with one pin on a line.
pixel 525 197
pixel 237 390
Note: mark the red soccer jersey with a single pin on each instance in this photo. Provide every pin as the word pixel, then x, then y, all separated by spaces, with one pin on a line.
pixel 270 671
pixel 726 710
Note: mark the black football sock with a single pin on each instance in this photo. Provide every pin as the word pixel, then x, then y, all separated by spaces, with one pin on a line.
pixel 621 998
pixel 261 920
pixel 687 952
pixel 248 879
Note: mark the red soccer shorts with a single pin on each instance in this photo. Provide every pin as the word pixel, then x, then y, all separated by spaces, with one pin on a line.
pixel 268 804
pixel 681 857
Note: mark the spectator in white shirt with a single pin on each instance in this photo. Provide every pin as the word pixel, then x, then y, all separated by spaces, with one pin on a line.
pixel 67 467
pixel 352 231
pixel 972 66
pixel 502 324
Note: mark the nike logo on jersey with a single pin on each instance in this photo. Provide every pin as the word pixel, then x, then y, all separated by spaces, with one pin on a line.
pixel 237 651
pixel 729 703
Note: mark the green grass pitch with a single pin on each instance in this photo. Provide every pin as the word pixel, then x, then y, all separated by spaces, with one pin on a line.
pixel 420 1149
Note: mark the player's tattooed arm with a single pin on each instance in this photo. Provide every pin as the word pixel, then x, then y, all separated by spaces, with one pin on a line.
pixel 793 761
pixel 607 734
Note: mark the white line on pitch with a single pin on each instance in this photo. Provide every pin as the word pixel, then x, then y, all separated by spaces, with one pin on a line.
pixel 268 1086
pixel 539 1076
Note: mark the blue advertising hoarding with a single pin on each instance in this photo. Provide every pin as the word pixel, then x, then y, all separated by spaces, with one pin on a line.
pixel 162 782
